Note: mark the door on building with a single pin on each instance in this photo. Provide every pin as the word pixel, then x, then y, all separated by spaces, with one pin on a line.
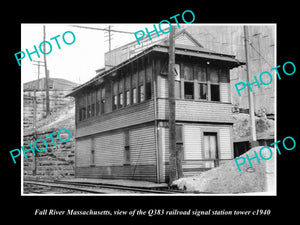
pixel 211 147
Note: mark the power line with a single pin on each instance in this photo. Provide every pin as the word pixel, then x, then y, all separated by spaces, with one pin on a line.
pixel 108 29
pixel 109 36
pixel 103 29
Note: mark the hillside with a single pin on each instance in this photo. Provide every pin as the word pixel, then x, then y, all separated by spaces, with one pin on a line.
pixel 62 118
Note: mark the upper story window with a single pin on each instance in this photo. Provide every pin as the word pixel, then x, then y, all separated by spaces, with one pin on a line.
pixel 200 73
pixel 200 82
pixel 134 83
pixel 82 108
pixel 188 77
pixel 91 97
pixel 121 93
pixel 127 92
pixel 131 84
pixel 214 83
pixel 148 83
pixel 100 101
pixel 115 95
pixel 141 81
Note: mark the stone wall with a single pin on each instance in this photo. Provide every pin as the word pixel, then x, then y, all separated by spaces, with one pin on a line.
pixel 57 101
pixel 54 163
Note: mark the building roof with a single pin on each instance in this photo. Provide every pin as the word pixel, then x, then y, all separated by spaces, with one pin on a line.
pixel 195 51
pixel 56 84
pixel 121 54
pixel 198 52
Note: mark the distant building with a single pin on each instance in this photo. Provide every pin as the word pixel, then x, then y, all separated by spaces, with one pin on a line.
pixel 58 88
pixel 122 113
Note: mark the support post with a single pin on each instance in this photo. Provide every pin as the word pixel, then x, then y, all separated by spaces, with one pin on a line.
pixel 47 77
pixel 173 173
pixel 250 94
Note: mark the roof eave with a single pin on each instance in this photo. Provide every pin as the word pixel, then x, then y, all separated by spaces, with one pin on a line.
pixel 162 48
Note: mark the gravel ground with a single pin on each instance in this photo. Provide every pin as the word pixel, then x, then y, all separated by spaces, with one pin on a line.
pixel 228 179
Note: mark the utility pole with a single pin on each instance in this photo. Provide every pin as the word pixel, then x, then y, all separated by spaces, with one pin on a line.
pixel 250 94
pixel 34 126
pixel 173 173
pixel 109 37
pixel 39 63
pixel 47 77
pixel 109 30
pixel 36 88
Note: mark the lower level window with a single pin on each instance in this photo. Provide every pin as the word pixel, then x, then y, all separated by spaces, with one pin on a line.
pixel 127 154
pixel 92 157
pixel 210 145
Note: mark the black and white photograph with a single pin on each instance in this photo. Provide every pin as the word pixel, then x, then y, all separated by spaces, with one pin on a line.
pixel 174 115
pixel 124 138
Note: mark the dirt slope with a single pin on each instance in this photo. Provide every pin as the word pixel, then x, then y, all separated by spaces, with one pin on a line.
pixel 228 179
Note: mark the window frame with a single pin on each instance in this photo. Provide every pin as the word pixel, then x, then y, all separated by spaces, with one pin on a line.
pixel 190 81
pixel 121 88
pixel 141 70
pixel 102 100
pixel 127 87
pixel 210 83
pixel 134 83
pixel 198 83
pixel 83 107
pixel 114 95
pixel 215 132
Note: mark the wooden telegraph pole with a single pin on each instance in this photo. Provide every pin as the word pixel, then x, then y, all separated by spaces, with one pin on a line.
pixel 173 173
pixel 36 88
pixel 250 94
pixel 47 77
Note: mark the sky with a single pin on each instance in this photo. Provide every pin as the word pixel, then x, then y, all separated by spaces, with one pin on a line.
pixel 77 62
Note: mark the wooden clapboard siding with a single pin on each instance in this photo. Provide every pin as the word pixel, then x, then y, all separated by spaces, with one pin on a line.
pixel 197 111
pixel 109 149
pixel 109 154
pixel 142 146
pixel 193 161
pixel 83 152
pixel 193 135
pixel 129 116
pixel 132 172
pixel 225 143
pixel 164 150
pixel 184 39
pixel 192 141
pixel 225 92
pixel 162 85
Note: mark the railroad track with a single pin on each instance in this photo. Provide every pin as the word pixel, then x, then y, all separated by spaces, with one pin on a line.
pixel 85 187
